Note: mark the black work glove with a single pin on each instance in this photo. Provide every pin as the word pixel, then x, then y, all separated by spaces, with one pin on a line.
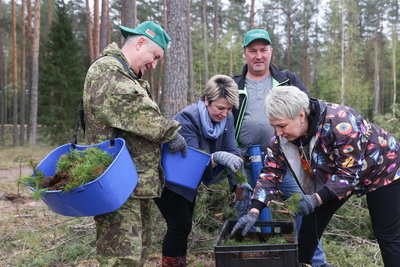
pixel 177 144
pixel 229 160
pixel 243 194
pixel 247 221
pixel 307 204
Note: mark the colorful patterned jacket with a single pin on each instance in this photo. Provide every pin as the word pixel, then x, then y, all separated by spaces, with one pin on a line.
pixel 347 154
pixel 114 99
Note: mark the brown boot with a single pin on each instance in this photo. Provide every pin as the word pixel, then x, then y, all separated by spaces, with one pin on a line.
pixel 173 261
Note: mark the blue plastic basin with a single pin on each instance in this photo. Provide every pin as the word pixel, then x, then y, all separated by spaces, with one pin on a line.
pixel 105 194
pixel 186 171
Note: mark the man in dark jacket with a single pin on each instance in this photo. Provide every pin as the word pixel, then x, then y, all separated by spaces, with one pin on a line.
pixel 252 127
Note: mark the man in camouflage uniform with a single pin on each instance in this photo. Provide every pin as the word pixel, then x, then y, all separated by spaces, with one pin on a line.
pixel 115 97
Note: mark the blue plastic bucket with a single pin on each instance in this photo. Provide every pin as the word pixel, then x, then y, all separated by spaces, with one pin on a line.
pixel 105 194
pixel 186 171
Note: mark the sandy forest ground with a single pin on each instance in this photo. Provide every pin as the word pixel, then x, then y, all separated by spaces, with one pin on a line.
pixel 19 212
pixel 30 231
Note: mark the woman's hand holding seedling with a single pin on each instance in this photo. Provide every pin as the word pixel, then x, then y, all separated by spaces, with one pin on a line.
pixel 303 204
pixel 229 160
pixel 243 193
pixel 308 203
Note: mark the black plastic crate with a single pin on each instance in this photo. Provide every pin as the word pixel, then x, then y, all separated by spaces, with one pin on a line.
pixel 276 255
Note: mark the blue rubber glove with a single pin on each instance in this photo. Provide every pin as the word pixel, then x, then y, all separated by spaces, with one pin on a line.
pixel 177 144
pixel 229 160
pixel 243 199
pixel 247 221
pixel 307 204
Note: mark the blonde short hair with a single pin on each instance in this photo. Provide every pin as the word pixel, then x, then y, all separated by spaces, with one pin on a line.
pixel 286 102
pixel 222 86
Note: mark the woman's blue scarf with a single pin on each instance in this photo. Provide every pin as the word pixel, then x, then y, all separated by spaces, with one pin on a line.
pixel 211 130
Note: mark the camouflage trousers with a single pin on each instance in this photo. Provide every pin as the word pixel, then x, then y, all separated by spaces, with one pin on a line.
pixel 124 236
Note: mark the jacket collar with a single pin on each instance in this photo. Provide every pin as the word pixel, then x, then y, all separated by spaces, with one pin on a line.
pixel 315 118
pixel 275 73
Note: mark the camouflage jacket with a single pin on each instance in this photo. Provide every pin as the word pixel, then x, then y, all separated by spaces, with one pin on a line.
pixel 113 99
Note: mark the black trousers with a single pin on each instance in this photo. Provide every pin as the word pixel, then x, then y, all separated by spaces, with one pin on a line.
pixel 384 209
pixel 178 213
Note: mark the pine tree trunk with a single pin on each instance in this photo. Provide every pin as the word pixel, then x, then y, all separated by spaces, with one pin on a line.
pixel 377 93
pixel 123 12
pixel 252 14
pixel 215 34
pixel 315 55
pixel 205 40
pixel 96 29
pixel 89 30
pixel 14 73
pixel 305 60
pixel 190 58
pixel 129 13
pixel 175 94
pixel 49 13
pixel 289 35
pixel 2 79
pixel 29 59
pixel 105 20
pixel 342 56
pixel 230 31
pixel 162 61
pixel 35 75
pixel 135 21
pixel 230 53
pixel 394 47
pixel 23 77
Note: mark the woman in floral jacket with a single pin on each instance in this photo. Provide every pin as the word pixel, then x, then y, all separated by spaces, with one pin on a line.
pixel 333 152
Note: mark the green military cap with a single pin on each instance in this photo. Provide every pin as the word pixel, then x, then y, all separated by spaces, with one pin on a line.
pixel 151 30
pixel 256 34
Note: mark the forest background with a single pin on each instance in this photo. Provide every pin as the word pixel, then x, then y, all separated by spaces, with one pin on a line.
pixel 344 51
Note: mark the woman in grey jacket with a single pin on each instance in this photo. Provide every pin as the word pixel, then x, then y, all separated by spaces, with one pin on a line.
pixel 206 125
pixel 334 153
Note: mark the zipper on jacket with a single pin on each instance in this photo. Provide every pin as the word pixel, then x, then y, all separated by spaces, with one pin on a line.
pixel 242 110
pixel 290 169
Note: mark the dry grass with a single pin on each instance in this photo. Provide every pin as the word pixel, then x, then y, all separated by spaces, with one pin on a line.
pixel 14 157
pixel 32 235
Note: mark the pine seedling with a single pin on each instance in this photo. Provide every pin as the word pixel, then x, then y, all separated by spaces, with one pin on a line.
pixel 234 243
pixel 83 166
pixel 277 239
pixel 255 240
pixel 292 203
pixel 34 180
pixel 73 170
pixel 65 161
pixel 241 177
